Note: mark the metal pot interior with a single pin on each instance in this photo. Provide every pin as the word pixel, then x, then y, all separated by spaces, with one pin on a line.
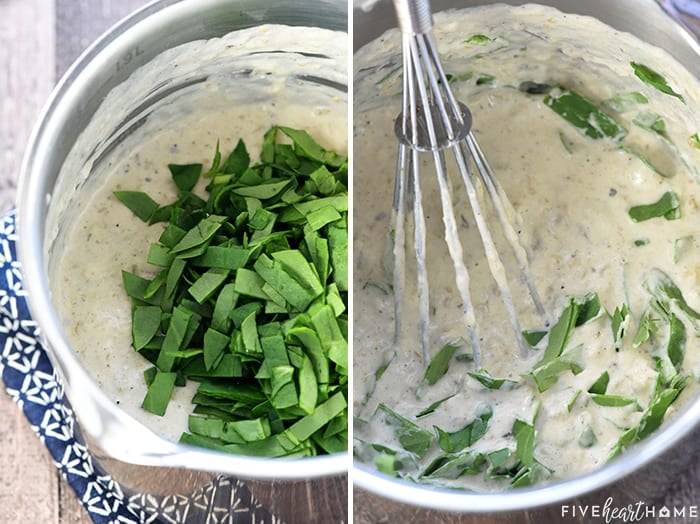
pixel 649 22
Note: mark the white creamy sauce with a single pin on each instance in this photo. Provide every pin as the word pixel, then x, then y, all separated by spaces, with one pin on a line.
pixel 250 87
pixel 572 195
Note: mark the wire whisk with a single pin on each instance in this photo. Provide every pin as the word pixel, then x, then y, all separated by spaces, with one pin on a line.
pixel 433 121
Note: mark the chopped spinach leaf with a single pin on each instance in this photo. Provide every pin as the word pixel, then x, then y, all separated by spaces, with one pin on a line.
pixel 378 374
pixel 663 398
pixel 455 441
pixel 651 122
pixel 560 333
pixel 675 348
pixel 185 176
pixel 489 382
pixel 684 245
pixel 668 207
pixel 159 392
pixel 585 115
pixel 478 39
pixel 555 361
pixel 587 439
pixel 600 386
pixel 411 436
pixel 589 309
pixel 140 204
pixel 665 291
pixel 574 398
pixel 145 325
pixel 694 141
pixel 615 401
pixel 455 465
pixel 626 101
pixel 251 298
pixel 387 463
pixel 619 323
pixel 568 144
pixel 533 337
pixel 439 364
pixel 546 375
pixel 665 394
pixel 485 79
pixel 647 327
pixel 524 434
pixel 237 162
pixel 432 407
pixel 460 77
pixel 654 79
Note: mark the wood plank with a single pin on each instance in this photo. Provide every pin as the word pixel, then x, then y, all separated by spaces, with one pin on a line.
pixel 70 509
pixel 28 479
pixel 371 509
pixel 26 79
pixel 320 501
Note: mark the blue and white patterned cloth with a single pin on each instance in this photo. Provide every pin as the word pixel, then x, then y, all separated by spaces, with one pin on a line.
pixel 32 382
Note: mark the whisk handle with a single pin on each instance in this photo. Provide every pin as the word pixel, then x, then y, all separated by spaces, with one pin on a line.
pixel 414 16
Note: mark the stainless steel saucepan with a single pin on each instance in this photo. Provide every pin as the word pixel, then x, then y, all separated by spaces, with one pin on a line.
pixel 645 471
pixel 146 466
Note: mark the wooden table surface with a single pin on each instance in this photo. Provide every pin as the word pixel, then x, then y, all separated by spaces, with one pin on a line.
pixel 38 41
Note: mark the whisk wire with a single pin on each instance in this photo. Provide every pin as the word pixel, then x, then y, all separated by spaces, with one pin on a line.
pixel 454 247
pixel 429 100
pixel 409 95
pixel 492 257
pixel 506 214
pixel 421 266
pixel 398 224
pixel 410 103
pixel 433 120
pixel 432 96
pixel 430 50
